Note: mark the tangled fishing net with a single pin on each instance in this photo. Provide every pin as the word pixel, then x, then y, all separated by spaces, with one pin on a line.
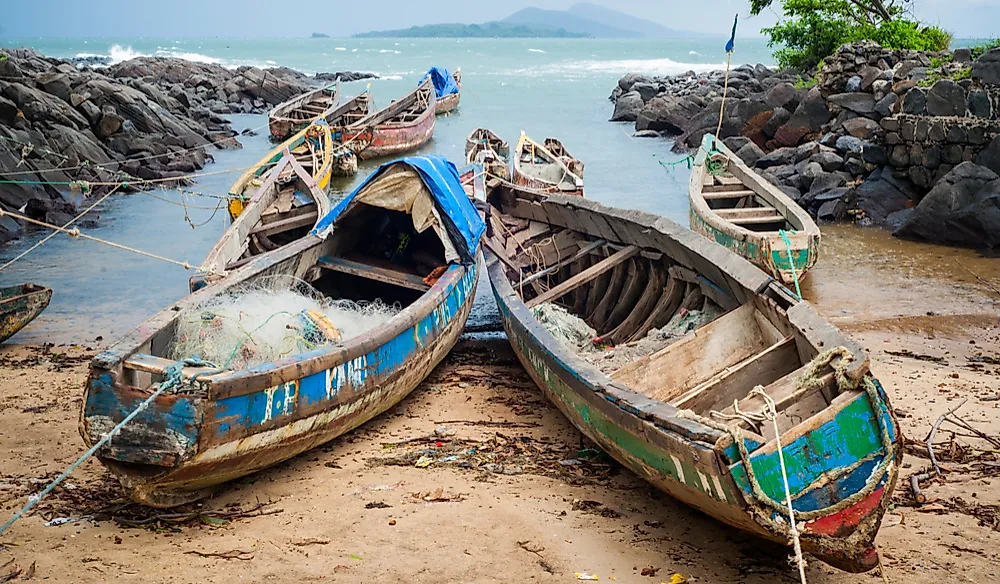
pixel 566 327
pixel 269 320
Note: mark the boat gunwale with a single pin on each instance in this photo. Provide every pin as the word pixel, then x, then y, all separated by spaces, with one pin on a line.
pixel 239 188
pixel 395 108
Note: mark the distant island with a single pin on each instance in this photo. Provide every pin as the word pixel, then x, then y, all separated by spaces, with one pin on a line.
pixel 486 30
pixel 582 20
pixel 319 35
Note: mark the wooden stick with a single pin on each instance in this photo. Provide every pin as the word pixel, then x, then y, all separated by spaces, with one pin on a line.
pixel 555 268
pixel 934 429
pixel 976 276
pixel 584 276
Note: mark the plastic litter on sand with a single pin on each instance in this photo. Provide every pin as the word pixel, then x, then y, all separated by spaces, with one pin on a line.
pixel 270 320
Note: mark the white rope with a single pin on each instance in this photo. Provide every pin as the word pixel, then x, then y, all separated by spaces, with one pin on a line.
pixel 771 413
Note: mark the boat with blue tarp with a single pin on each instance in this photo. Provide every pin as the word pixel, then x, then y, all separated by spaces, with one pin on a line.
pixel 447 87
pixel 408 237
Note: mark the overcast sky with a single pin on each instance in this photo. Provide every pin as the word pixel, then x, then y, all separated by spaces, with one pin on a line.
pixel 253 18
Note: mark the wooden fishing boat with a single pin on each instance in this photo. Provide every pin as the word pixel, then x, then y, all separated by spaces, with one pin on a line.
pixel 694 330
pixel 737 208
pixel 539 168
pixel 284 209
pixel 491 151
pixel 449 102
pixel 349 112
pixel 312 148
pixel 404 125
pixel 295 114
pixel 212 425
pixel 19 305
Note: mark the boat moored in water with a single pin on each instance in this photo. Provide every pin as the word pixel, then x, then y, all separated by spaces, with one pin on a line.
pixel 540 168
pixel 295 114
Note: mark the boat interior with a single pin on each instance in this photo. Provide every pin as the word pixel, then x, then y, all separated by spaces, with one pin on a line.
pixel 351 111
pixel 555 146
pixel 317 104
pixel 535 163
pixel 739 204
pixel 405 110
pixel 658 327
pixel 372 252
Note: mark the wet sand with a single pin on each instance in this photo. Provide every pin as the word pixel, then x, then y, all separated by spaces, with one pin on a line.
pixel 347 512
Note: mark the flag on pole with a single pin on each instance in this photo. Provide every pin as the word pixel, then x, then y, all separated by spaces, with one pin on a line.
pixel 732 39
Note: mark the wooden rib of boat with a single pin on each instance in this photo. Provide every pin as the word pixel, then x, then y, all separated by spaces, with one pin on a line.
pixel 295 114
pixel 737 208
pixel 312 148
pixel 19 305
pixel 712 328
pixel 283 210
pixel 404 125
pixel 217 425
pixel 539 168
pixel 485 148
pixel 346 161
pixel 449 102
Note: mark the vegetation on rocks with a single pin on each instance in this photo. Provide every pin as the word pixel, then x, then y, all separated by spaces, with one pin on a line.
pixel 813 29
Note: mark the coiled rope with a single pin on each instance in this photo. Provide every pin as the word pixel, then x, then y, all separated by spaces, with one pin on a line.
pixel 173 378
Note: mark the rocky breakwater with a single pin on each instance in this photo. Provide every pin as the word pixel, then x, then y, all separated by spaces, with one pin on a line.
pixel 149 119
pixel 872 136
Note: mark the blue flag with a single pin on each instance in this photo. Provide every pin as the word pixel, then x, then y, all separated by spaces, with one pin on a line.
pixel 732 39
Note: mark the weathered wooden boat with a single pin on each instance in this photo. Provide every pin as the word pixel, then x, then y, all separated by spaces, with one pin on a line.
pixel 539 168
pixel 284 209
pixel 737 208
pixel 486 148
pixel 295 114
pixel 695 330
pixel 404 125
pixel 448 88
pixel 312 148
pixel 345 163
pixel 19 305
pixel 212 425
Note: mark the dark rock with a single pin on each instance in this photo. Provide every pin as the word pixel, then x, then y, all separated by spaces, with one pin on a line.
pixel 963 209
pixel 853 166
pixel 646 90
pixel 977 135
pixel 853 84
pixel 849 145
pixel 829 161
pixel 829 140
pixel 987 67
pixel 931 158
pixel 874 153
pixel 990 156
pixel 883 193
pixel 907 130
pixel 627 107
pixel 630 79
pixel 951 153
pixel 808 118
pixel 750 153
pixel 884 106
pixel 734 143
pixel 869 75
pixel 893 138
pixel 861 128
pixel 779 117
pixel 919 176
pixel 779 157
pixel 781 95
pixel 822 184
pixel 938 131
pixel 979 104
pixel 54 83
pixel 946 98
pixel 110 123
pixel 904 69
pixel 834 210
pixel 914 101
pixel 899 156
pixel 901 87
pixel 810 172
pixel 862 103
pixel 921 130
pixel 957 134
pixel 890 124
pixel 806 150
pixel 962 55
pixel 345 76
pixel 667 113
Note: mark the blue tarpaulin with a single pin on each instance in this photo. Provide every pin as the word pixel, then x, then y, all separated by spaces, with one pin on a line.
pixel 461 220
pixel 443 82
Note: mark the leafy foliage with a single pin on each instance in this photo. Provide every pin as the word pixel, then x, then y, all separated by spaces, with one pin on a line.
pixel 978 50
pixel 813 29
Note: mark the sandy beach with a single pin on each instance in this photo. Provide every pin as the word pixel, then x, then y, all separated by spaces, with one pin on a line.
pixel 364 508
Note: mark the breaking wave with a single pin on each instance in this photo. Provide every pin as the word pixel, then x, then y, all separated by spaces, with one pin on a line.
pixel 662 66
pixel 535 51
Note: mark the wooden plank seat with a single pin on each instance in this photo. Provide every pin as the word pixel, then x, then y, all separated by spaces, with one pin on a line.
pixel 717 195
pixel 381 274
pixel 284 225
pixel 745 212
pixel 757 220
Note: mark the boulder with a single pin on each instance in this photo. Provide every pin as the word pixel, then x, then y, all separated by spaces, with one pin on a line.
pixel 987 67
pixel 808 118
pixel 914 101
pixel 874 153
pixel 645 90
pixel 630 79
pixel 883 193
pixel 990 156
pixel 804 151
pixel 961 55
pixel 946 98
pixel 853 84
pixel 110 123
pixel 979 104
pixel 962 209
pixel 750 153
pixel 627 107
pixel 734 143
pixel 778 118
pixel 832 210
pixel 782 95
pixel 861 103
pixel 828 160
pixel 901 87
pixel 779 157
pixel 54 83
pixel 861 128
pixel 666 113
pixel 884 106
pixel 849 145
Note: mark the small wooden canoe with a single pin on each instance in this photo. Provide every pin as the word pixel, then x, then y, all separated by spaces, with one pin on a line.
pixel 404 125
pixel 281 211
pixel 541 169
pixel 346 161
pixel 449 102
pixel 490 151
pixel 19 305
pixel 300 111
pixel 214 425
pixel 312 148
pixel 668 334
pixel 737 208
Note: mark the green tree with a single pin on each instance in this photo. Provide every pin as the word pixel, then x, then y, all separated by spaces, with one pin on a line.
pixel 813 29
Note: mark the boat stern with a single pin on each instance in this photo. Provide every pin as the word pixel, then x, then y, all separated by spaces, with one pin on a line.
pixel 841 469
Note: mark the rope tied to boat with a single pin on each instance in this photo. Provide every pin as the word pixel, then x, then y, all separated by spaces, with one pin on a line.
pixel 174 377
pixel 791 261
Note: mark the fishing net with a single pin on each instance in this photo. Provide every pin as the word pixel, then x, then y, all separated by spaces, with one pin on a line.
pixel 566 327
pixel 271 319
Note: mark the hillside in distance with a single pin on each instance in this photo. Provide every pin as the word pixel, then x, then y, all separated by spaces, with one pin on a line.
pixel 580 20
